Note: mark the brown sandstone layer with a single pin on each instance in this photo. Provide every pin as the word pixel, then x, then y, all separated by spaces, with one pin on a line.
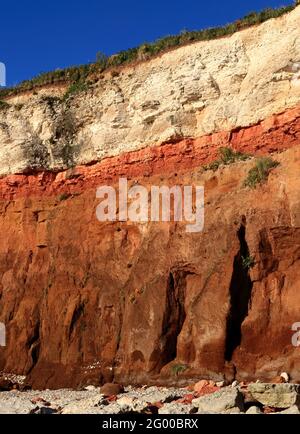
pixel 85 301
pixel 274 134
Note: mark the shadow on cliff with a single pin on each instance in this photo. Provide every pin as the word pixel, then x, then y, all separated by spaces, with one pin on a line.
pixel 240 296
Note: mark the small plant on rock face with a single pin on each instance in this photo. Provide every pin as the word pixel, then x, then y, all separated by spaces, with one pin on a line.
pixel 248 262
pixel 3 104
pixel 227 156
pixel 63 196
pixel 76 87
pixel 101 60
pixel 259 173
pixel 146 51
pixel 177 369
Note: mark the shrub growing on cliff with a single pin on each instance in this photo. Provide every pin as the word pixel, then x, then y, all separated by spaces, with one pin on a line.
pixel 177 369
pixel 260 172
pixel 3 105
pixel 227 156
pixel 76 74
pixel 101 60
pixel 74 88
pixel 64 196
pixel 248 262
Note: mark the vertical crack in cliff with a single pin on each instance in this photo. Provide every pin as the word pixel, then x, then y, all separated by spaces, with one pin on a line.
pixel 34 345
pixel 77 314
pixel 240 295
pixel 174 316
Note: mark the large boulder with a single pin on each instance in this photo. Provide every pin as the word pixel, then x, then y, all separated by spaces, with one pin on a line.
pixel 225 400
pixel 292 410
pixel 110 389
pixel 276 395
pixel 254 410
pixel 177 408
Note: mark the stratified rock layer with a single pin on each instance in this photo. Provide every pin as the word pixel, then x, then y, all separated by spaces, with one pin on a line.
pixel 85 300
pixel 89 302
pixel 194 91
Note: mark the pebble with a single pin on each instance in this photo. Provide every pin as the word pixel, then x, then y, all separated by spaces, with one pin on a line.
pixel 285 377
pixel 110 389
pixel 147 400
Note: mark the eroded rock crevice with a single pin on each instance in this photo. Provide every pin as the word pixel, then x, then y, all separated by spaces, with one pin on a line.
pixel 240 296
pixel 34 345
pixel 174 315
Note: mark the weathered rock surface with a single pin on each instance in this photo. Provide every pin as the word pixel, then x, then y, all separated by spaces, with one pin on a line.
pixel 194 91
pixel 173 408
pixel 276 395
pixel 86 302
pixel 109 389
pixel 133 401
pixel 254 410
pixel 227 400
pixel 292 410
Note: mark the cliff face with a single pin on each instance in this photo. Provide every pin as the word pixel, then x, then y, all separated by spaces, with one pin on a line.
pixel 194 91
pixel 87 301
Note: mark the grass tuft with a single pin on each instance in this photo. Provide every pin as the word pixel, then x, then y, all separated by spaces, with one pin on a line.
pixel 260 172
pixel 226 156
pixel 146 51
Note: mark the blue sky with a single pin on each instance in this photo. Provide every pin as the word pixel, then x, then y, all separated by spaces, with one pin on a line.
pixel 38 36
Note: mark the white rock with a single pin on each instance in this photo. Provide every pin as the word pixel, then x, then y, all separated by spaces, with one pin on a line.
pixel 254 410
pixel 225 400
pixel 224 83
pixel 81 406
pixel 282 395
pixel 90 388
pixel 285 376
pixel 175 408
pixel 292 410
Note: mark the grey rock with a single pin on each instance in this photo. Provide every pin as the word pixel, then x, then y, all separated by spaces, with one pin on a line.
pixel 275 395
pixel 234 410
pixel 175 408
pixel 156 394
pixel 128 404
pixel 224 400
pixel 44 410
pixel 254 410
pixel 292 410
pixel 81 406
pixel 15 406
pixel 90 388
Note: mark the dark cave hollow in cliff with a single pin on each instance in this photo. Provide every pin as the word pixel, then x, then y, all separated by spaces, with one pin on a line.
pixel 240 296
pixel 174 316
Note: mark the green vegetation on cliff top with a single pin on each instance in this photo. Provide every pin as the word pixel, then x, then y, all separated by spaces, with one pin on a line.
pixel 80 74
